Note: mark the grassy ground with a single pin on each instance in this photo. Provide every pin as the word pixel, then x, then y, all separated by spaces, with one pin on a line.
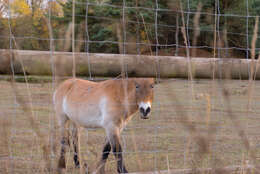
pixel 190 126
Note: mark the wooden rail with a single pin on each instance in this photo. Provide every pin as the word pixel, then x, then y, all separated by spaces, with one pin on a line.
pixel 40 63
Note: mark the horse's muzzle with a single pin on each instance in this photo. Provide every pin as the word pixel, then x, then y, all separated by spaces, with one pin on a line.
pixel 145 112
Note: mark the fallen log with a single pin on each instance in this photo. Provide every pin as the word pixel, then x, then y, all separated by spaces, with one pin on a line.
pixel 40 63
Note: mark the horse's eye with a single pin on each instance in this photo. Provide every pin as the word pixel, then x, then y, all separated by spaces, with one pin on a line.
pixel 137 86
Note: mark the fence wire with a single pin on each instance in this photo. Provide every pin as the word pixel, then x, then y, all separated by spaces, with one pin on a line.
pixel 191 126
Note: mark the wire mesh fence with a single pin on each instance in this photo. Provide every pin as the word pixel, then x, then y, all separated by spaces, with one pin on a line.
pixel 194 124
pixel 104 26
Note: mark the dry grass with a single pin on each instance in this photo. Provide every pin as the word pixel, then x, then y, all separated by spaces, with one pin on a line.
pixel 180 134
pixel 216 127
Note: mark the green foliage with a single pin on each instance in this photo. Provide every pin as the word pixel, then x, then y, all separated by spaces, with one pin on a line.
pixel 102 20
pixel 232 19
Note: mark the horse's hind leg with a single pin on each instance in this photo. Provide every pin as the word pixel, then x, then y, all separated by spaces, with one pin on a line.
pixel 64 141
pixel 75 145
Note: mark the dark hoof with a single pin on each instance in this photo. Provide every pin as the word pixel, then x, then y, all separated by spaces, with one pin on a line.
pixel 77 165
pixel 76 161
pixel 123 171
pixel 62 163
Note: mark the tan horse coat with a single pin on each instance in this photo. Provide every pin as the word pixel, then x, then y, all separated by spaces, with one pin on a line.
pixel 109 104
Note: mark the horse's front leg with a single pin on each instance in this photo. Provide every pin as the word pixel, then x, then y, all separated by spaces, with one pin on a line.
pixel 114 138
pixel 105 154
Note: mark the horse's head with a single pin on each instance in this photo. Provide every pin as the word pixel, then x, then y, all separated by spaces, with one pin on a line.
pixel 144 95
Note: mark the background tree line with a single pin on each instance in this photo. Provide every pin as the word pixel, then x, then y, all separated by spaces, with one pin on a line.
pixel 113 26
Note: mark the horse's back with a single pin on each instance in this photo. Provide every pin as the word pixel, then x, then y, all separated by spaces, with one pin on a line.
pixel 67 85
